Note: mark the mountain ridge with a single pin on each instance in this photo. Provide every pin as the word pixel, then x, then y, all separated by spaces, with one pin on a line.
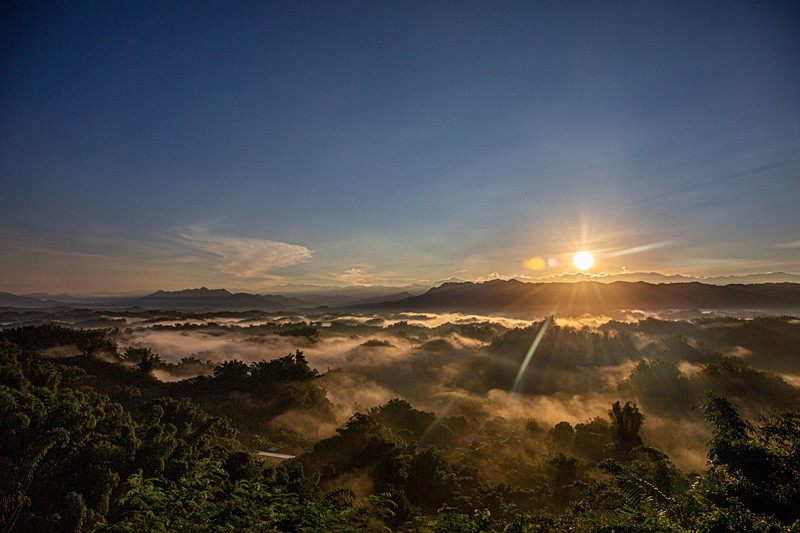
pixel 494 296
pixel 219 299
pixel 593 297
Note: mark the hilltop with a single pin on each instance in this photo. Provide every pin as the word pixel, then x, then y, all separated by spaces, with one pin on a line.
pixel 512 296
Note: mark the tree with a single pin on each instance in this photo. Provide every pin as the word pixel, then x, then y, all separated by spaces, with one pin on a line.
pixel 232 372
pixel 625 425
pixel 563 434
pixel 145 359
pixel 761 464
pixel 592 438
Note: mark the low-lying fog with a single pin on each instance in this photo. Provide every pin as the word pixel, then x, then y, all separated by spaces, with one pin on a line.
pixel 465 365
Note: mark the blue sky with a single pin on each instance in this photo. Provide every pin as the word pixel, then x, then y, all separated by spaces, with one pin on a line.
pixel 249 145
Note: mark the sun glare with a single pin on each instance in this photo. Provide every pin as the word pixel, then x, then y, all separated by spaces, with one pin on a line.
pixel 583 260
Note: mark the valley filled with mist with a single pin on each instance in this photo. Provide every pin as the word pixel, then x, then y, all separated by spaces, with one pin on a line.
pixel 515 412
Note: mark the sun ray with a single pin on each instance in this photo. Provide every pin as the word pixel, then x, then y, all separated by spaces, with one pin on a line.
pixel 531 351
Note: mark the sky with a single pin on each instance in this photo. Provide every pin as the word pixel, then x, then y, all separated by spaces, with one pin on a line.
pixel 254 145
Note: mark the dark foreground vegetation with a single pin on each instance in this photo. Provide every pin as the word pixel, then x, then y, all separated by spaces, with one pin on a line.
pixel 92 441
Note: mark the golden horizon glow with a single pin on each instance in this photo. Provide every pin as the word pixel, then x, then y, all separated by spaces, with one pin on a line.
pixel 583 260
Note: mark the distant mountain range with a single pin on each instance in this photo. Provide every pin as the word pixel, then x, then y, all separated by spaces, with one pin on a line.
pixel 338 299
pixel 512 296
pixel 12 300
pixel 356 294
pixel 497 296
pixel 657 277
pixel 201 298
pixel 216 299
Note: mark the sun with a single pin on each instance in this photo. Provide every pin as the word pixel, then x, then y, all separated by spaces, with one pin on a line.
pixel 583 260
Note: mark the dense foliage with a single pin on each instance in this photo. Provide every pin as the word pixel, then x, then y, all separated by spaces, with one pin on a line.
pixel 92 441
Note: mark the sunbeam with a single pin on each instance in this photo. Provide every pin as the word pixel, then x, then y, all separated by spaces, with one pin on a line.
pixel 531 351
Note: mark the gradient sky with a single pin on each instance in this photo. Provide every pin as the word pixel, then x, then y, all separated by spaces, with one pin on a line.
pixel 148 145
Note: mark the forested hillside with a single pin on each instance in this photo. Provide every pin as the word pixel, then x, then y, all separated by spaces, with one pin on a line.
pixel 92 441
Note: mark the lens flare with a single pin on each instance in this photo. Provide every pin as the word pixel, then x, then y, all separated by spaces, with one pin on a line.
pixel 535 263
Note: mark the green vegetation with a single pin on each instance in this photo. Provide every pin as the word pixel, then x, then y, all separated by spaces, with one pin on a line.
pixel 94 442
pixel 376 343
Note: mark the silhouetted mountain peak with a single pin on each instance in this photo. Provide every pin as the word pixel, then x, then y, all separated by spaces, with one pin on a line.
pixel 513 296
pixel 216 299
pixel 202 292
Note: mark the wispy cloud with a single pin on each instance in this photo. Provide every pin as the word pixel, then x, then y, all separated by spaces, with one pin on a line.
pixel 716 181
pixel 243 257
pixel 639 249
pixel 360 275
